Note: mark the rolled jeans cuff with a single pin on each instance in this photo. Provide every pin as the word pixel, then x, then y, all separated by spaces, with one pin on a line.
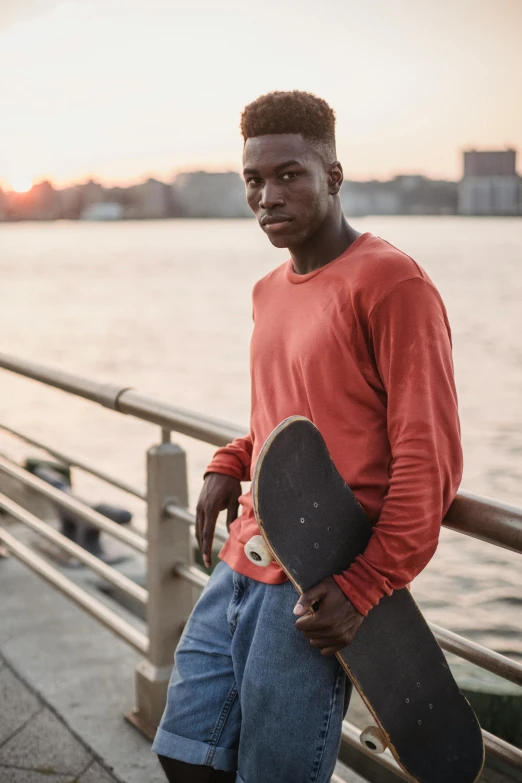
pixel 194 752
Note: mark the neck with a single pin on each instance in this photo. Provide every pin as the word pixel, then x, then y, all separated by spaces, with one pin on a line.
pixel 331 240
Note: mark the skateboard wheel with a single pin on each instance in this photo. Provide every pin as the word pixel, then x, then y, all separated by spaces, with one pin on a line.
pixel 373 739
pixel 257 552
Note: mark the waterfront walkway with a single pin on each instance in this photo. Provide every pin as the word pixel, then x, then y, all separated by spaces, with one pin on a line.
pixel 35 745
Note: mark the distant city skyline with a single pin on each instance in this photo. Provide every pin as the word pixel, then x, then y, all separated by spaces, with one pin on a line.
pixel 117 90
pixel 490 186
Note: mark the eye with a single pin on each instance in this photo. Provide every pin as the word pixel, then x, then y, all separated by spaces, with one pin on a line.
pixel 289 175
pixel 253 181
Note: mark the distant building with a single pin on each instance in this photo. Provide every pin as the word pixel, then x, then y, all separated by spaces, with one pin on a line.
pixel 76 199
pixel 490 185
pixel 370 198
pixel 406 194
pixel 202 194
pixel 151 199
pixel 70 200
pixel 91 193
pixel 102 210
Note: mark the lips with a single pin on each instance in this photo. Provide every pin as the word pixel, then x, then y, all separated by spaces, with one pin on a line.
pixel 275 223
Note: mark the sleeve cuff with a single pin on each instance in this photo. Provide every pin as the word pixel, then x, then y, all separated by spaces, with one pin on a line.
pixel 360 586
pixel 228 465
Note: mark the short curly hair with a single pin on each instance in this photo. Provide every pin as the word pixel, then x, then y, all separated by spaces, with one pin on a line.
pixel 291 112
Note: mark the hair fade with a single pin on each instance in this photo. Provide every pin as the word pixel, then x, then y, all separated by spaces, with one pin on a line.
pixel 291 112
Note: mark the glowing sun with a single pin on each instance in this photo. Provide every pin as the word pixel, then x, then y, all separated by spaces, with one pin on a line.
pixel 22 185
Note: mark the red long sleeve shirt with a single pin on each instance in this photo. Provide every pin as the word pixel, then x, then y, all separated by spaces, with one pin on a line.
pixel 362 347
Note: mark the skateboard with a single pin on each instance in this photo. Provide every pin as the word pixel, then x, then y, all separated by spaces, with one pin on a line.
pixel 313 526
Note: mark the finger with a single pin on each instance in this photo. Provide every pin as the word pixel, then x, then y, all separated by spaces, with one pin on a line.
pixel 208 536
pixel 232 510
pixel 308 599
pixel 324 643
pixel 200 519
pixel 333 649
pixel 314 622
pixel 321 632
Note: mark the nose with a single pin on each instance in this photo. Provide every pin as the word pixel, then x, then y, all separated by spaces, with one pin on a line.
pixel 271 196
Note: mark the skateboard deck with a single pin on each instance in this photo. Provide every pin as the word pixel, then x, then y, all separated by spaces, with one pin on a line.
pixel 314 527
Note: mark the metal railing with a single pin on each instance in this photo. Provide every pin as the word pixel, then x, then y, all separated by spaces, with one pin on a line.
pixel 168 545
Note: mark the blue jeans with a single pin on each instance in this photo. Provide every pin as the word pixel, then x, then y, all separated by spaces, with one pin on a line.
pixel 248 692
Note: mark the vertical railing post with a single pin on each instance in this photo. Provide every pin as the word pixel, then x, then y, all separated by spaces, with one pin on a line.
pixel 170 598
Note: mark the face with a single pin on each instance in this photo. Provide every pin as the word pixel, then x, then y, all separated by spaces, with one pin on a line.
pixel 289 187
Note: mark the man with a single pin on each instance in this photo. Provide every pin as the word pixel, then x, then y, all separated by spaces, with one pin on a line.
pixel 351 333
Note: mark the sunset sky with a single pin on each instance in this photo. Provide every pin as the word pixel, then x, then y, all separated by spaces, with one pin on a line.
pixel 120 89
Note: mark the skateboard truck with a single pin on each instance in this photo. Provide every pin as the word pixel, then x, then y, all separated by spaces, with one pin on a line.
pixel 373 739
pixel 257 552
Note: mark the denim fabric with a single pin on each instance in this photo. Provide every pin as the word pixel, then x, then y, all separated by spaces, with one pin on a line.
pixel 248 692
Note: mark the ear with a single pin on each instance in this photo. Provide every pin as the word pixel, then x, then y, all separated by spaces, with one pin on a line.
pixel 335 178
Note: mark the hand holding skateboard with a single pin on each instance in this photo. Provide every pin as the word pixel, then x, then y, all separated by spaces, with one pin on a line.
pixel 335 621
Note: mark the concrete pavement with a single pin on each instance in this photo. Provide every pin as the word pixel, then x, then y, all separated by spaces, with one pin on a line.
pixel 35 745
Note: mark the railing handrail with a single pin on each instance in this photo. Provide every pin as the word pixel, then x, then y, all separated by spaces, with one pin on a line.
pixel 75 462
pixel 124 400
pixel 480 517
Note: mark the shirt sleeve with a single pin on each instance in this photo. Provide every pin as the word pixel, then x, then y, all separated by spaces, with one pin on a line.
pixel 411 340
pixel 234 459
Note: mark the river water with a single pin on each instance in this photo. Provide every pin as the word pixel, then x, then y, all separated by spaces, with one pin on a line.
pixel 165 307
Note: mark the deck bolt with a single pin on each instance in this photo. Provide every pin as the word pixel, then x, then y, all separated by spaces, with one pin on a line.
pixel 302 520
pixel 316 505
pixel 407 701
pixel 316 546
pixel 419 722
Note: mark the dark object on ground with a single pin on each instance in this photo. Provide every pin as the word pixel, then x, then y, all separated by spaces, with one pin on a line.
pixel 87 536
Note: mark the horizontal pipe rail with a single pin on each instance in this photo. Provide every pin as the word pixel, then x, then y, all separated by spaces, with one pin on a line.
pixel 508 535
pixel 191 574
pixel 204 428
pixel 73 462
pixel 502 750
pixel 124 400
pixel 183 515
pixel 106 616
pixel 490 521
pixel 75 506
pixel 180 513
pixel 486 519
pixel 481 656
pixel 94 563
